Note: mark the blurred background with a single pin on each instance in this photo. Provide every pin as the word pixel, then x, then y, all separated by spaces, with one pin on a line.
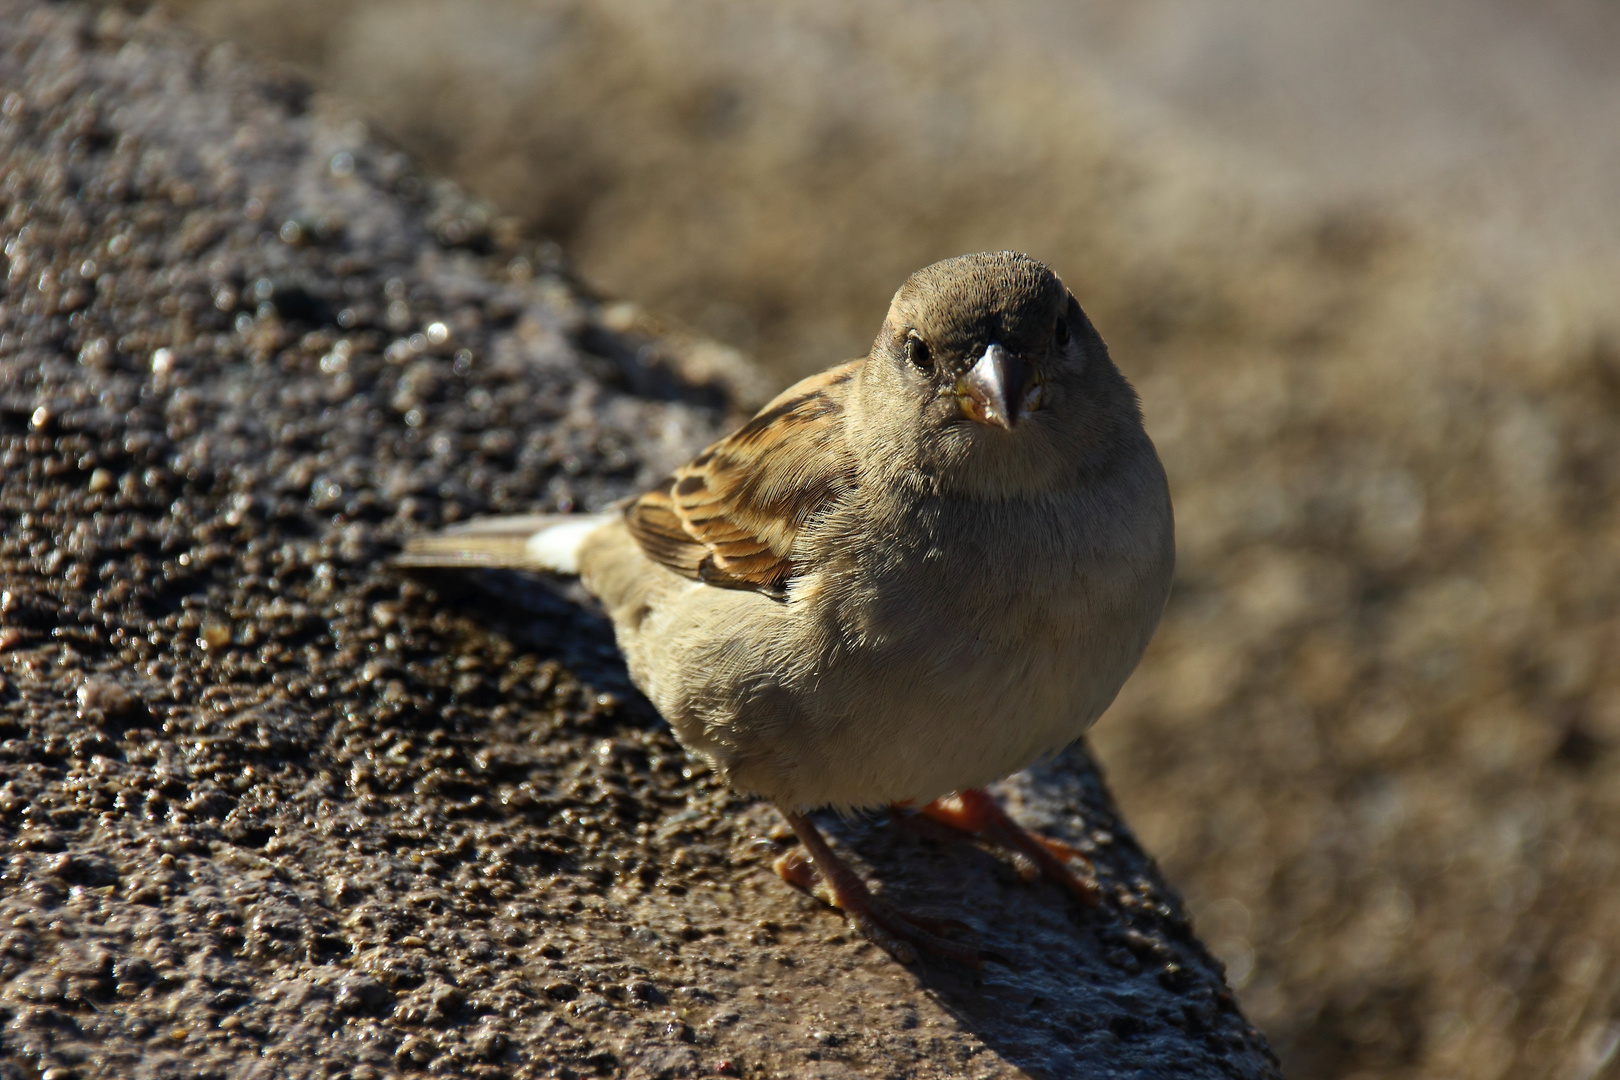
pixel 1362 260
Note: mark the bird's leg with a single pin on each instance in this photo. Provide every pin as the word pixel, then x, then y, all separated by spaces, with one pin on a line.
pixel 898 933
pixel 974 811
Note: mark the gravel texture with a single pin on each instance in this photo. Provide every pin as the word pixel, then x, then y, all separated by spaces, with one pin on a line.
pixel 1376 742
pixel 268 808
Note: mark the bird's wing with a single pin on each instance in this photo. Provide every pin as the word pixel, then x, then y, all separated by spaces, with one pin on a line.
pixel 729 517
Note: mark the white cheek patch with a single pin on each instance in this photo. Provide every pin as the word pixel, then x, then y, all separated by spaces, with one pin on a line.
pixel 556 547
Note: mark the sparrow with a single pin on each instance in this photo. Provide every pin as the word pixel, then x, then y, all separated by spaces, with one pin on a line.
pixel 908 576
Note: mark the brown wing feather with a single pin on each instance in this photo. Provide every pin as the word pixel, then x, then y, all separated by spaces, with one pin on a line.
pixel 657 528
pixel 730 516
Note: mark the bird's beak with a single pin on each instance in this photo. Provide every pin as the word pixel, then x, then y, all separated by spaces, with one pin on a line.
pixel 1000 389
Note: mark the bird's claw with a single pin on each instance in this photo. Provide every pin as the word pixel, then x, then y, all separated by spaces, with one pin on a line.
pixel 1033 855
pixel 901 934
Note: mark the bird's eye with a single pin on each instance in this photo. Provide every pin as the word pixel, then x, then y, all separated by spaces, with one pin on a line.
pixel 917 353
pixel 1060 333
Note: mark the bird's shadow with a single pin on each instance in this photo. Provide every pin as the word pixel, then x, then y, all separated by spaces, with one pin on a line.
pixel 552 615
pixel 1121 982
pixel 1124 982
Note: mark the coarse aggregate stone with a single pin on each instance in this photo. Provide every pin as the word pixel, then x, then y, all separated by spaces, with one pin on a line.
pixel 269 807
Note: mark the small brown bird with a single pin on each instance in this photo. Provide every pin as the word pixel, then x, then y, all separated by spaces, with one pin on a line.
pixel 906 577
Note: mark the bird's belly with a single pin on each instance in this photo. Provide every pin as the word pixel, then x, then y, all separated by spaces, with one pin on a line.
pixel 888 734
pixel 866 689
pixel 940 704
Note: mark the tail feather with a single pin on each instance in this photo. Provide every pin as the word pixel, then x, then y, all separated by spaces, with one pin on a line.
pixel 527 542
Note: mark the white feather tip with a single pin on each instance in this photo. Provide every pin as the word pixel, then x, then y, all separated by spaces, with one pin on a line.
pixel 556 547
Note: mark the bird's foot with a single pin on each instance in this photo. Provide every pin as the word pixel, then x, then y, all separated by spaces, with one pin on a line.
pixel 902 934
pixel 974 811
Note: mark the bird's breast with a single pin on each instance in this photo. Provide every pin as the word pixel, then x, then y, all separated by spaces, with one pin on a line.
pixel 946 587
pixel 932 646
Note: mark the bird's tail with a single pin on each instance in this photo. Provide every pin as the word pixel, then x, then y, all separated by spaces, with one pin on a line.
pixel 528 542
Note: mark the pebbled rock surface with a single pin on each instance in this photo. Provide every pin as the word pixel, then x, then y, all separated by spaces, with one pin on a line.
pixel 268 808
pixel 1376 741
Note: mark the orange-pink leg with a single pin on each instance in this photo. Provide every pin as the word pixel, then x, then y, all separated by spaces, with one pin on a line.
pixel 899 933
pixel 974 811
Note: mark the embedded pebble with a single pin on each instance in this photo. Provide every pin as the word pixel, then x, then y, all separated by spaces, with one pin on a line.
pixel 102 698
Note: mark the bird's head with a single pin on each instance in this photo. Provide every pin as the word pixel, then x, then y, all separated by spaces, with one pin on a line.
pixel 1007 382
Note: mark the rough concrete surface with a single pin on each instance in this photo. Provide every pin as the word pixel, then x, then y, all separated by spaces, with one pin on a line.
pixel 1376 741
pixel 269 808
